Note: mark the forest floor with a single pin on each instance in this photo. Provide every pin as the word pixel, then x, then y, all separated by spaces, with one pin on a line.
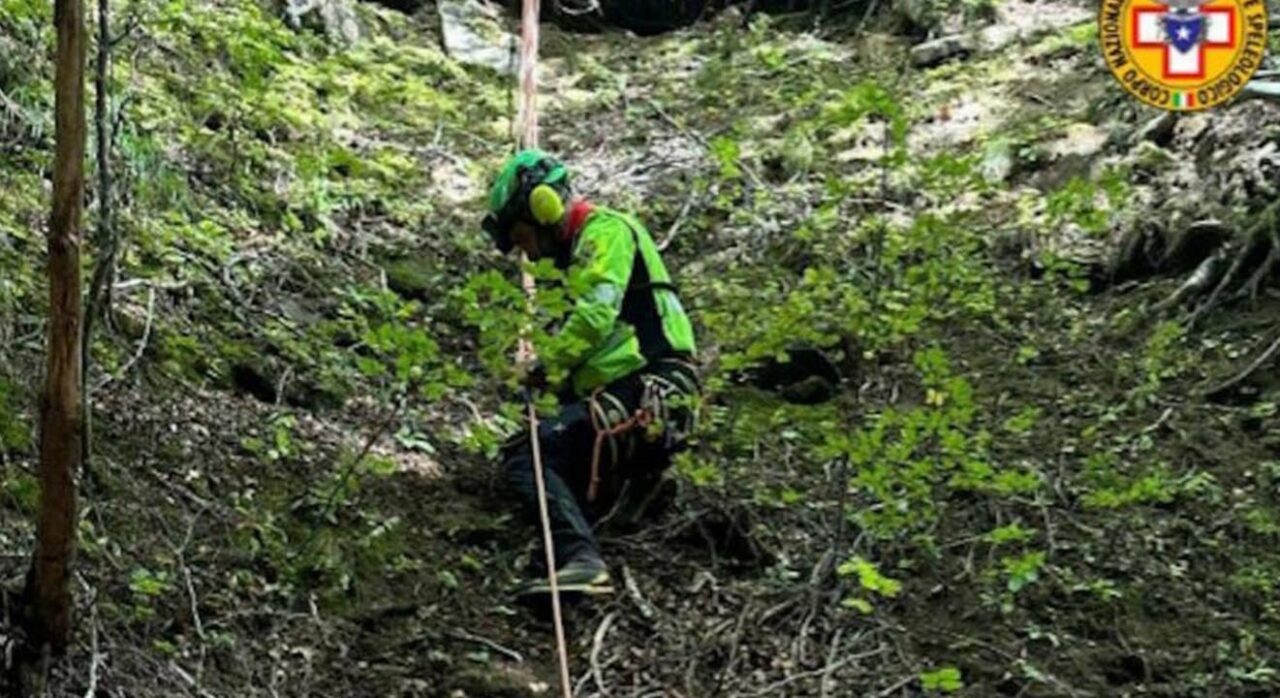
pixel 1037 476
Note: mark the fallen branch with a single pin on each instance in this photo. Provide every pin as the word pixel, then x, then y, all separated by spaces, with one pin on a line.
pixel 1249 371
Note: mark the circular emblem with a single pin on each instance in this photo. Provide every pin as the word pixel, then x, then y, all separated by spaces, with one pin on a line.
pixel 1183 55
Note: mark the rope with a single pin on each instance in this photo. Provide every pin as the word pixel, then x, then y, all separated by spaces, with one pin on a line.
pixel 528 121
pixel 642 418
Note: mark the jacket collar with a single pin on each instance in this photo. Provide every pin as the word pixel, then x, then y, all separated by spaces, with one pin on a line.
pixel 579 211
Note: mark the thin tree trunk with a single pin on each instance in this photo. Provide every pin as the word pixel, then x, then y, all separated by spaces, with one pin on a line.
pixel 105 240
pixel 49 588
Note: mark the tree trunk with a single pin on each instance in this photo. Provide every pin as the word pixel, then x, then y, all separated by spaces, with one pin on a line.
pixel 49 588
pixel 105 241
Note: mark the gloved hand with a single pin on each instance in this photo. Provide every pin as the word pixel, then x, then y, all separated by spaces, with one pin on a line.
pixel 534 376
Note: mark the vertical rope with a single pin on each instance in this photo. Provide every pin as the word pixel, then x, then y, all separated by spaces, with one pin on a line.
pixel 528 132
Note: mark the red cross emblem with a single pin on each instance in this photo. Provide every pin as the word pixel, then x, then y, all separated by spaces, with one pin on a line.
pixel 1148 33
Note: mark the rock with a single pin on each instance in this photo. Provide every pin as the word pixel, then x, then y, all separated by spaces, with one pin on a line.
pixel 922 15
pixel 335 19
pixel 1080 139
pixel 1149 157
pixel 938 51
pixel 473 33
pixel 997 161
pixel 1070 156
pixel 412 277
pixel 1024 21
pixel 1158 130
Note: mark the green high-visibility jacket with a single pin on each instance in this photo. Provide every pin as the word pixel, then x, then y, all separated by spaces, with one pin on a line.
pixel 625 313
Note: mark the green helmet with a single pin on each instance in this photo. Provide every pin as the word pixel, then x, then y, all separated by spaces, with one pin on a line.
pixel 509 195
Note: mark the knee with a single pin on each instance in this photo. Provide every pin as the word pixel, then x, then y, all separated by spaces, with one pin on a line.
pixel 514 453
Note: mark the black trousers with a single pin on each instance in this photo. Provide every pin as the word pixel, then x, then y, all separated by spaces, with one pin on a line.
pixel 567 444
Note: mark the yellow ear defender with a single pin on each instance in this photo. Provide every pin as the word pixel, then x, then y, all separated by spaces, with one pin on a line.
pixel 545 205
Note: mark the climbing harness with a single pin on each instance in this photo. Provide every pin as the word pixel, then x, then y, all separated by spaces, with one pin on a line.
pixel 601 423
pixel 659 405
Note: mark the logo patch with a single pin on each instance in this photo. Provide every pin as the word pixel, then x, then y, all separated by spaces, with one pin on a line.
pixel 1183 55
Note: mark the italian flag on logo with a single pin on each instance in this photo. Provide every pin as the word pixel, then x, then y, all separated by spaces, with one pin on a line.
pixel 1184 99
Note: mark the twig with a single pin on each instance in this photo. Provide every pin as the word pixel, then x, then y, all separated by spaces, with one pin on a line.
pixel 871 8
pixel 733 650
pixel 675 227
pixel 135 21
pixel 173 666
pixel 1273 255
pixel 163 286
pixel 896 687
pixel 825 686
pixel 633 590
pixel 186 492
pixel 830 667
pixel 280 384
pixel 142 344
pixel 97 657
pixel 1164 417
pixel 1243 375
pixel 373 438
pixel 191 593
pixel 596 644
pixel 500 649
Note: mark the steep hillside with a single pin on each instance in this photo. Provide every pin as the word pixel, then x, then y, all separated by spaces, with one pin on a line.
pixel 1037 474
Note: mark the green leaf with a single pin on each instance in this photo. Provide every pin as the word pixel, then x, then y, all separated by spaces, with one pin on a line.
pixel 381 466
pixel 860 605
pixel 869 577
pixel 946 680
pixel 25 491
pixel 1023 570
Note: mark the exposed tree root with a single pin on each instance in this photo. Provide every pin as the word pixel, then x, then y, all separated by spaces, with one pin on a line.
pixel 1253 262
pixel 1199 282
pixel 1248 371
pixel 1254 284
pixel 1227 279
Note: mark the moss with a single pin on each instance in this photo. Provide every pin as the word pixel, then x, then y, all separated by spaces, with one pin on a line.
pixel 414 277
